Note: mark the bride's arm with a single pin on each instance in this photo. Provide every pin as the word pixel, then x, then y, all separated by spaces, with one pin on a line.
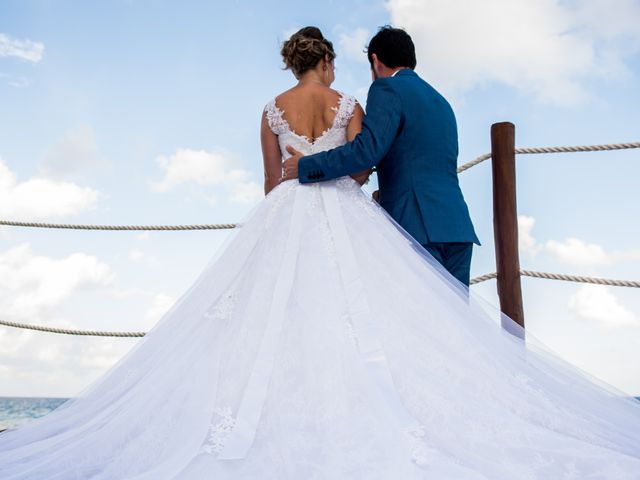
pixel 353 128
pixel 271 156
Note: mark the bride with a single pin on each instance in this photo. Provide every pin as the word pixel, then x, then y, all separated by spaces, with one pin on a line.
pixel 324 343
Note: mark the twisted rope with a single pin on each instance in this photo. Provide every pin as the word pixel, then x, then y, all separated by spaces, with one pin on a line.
pixel 582 148
pixel 227 226
pixel 534 150
pixel 566 278
pixel 474 162
pixel 483 278
pixel 215 226
pixel 476 280
pixel 67 331
pixel 580 279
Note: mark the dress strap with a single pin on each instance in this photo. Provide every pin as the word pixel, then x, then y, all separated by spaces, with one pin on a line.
pixel 277 123
pixel 344 110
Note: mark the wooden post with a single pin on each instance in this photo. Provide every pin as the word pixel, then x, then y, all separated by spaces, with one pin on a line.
pixel 505 219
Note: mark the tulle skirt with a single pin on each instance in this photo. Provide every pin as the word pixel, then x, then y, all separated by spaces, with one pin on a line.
pixel 323 343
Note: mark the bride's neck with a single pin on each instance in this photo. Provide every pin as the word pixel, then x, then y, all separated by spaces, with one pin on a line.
pixel 310 78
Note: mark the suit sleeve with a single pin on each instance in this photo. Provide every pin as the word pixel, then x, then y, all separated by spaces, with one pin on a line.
pixel 379 130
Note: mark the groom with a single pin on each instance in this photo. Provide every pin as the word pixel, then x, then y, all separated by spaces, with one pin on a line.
pixel 410 133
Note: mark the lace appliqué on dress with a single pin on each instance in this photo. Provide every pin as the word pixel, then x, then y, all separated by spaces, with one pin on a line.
pixel 278 197
pixel 223 308
pixel 221 426
pixel 354 194
pixel 344 110
pixel 275 118
pixel 349 332
pixel 421 453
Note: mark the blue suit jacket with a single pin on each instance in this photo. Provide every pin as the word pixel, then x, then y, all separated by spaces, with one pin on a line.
pixel 410 133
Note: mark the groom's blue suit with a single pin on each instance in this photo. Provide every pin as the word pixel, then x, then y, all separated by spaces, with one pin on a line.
pixel 410 133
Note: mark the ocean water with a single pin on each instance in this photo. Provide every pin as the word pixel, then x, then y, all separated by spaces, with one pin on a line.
pixel 15 411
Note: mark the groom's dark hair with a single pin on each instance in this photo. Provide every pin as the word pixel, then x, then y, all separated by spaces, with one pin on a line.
pixel 393 47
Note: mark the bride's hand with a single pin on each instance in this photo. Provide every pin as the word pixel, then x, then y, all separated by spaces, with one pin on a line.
pixel 290 165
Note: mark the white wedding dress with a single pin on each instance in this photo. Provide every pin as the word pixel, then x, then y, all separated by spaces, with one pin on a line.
pixel 323 343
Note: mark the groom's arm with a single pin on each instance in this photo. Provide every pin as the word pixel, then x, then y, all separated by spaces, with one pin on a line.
pixel 379 130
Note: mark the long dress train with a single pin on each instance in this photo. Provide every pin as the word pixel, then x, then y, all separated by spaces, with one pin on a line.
pixel 323 343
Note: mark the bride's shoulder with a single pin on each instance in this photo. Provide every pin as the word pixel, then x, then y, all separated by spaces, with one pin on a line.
pixel 278 99
pixel 282 98
pixel 347 106
pixel 346 101
pixel 341 96
pixel 339 93
pixel 274 115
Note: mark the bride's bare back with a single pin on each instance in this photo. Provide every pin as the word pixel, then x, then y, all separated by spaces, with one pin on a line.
pixel 310 110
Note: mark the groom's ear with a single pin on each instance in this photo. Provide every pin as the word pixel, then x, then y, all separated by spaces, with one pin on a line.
pixel 375 67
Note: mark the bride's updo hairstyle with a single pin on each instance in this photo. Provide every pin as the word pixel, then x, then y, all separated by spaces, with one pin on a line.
pixel 305 49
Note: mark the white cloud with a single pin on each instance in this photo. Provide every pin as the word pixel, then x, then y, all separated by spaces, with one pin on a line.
pixel 572 251
pixel 33 285
pixel 578 253
pixel 243 190
pixel 527 243
pixel 160 304
pixel 12 341
pixel 138 256
pixel 39 198
pixel 37 289
pixel 627 256
pixel 24 49
pixel 46 364
pixel 207 169
pixel 75 153
pixel 353 44
pixel 547 48
pixel 597 302
pixel 101 355
pixel 614 24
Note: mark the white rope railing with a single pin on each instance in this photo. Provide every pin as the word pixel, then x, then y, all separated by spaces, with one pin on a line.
pixel 214 226
pixel 563 277
pixel 228 226
pixel 578 148
pixel 474 162
pixel 483 278
pixel 536 150
pixel 581 279
pixel 68 331
pixel 474 281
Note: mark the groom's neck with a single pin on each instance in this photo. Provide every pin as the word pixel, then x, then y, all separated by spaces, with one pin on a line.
pixel 396 70
pixel 389 72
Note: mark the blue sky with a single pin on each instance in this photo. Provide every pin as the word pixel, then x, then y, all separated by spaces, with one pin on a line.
pixel 148 112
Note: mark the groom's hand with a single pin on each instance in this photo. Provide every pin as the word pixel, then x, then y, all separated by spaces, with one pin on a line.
pixel 290 165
